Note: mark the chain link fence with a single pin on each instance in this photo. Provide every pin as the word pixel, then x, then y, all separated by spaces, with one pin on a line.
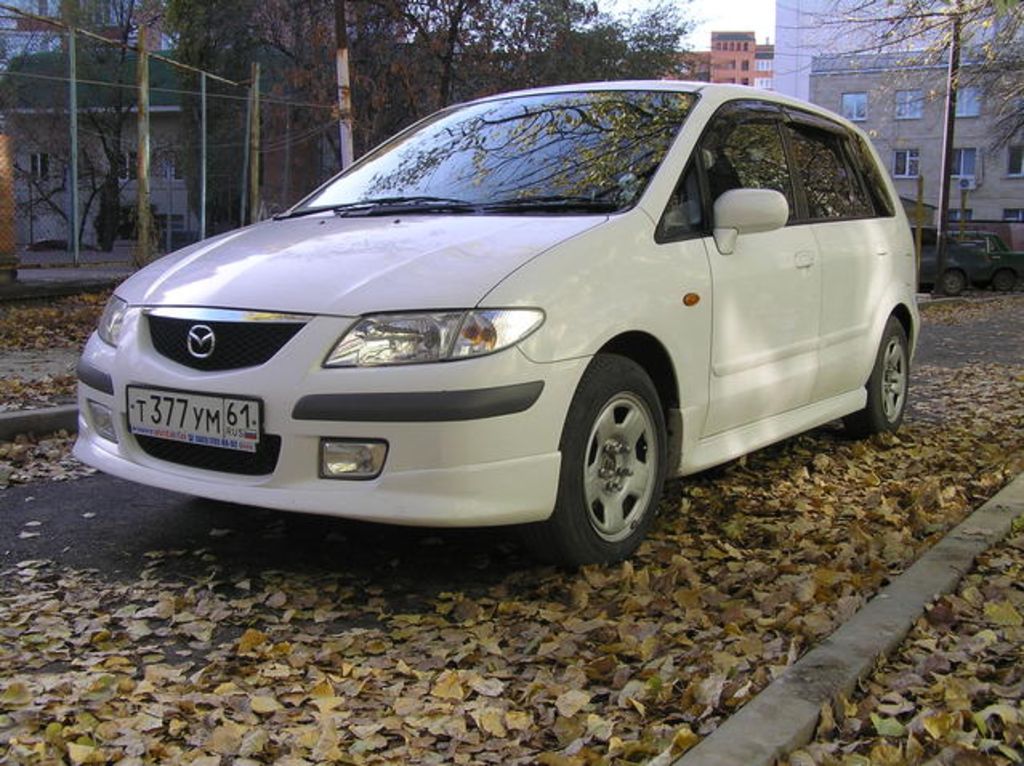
pixel 70 109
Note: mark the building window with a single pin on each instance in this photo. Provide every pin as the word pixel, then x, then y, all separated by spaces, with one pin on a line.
pixel 954 214
pixel 968 102
pixel 964 162
pixel 906 163
pixel 909 104
pixel 39 166
pixel 764 65
pixel 1013 214
pixel 745 65
pixel 1016 164
pixel 855 106
pixel 167 166
pixel 763 82
pixel 105 14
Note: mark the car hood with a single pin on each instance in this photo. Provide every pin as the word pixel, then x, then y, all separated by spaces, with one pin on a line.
pixel 351 266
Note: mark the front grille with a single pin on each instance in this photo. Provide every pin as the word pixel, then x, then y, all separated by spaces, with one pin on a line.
pixel 236 344
pixel 258 463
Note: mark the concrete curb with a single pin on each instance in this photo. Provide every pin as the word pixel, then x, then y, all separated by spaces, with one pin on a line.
pixel 926 299
pixel 783 717
pixel 40 421
pixel 33 291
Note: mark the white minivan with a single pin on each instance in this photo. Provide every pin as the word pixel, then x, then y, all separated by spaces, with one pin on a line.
pixel 529 309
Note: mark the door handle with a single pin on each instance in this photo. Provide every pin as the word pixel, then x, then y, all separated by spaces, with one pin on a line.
pixel 804 259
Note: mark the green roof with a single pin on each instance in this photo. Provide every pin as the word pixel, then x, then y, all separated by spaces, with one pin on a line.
pixel 106 80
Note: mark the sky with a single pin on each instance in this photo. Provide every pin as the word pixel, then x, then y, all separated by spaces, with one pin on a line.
pixel 723 15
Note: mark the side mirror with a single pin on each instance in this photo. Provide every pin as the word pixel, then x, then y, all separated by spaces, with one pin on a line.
pixel 747 211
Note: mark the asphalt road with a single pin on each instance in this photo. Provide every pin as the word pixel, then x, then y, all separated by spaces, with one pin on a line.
pixel 996 337
pixel 111 525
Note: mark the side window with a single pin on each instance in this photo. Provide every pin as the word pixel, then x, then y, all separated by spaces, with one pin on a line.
pixel 872 176
pixel 831 187
pixel 684 214
pixel 745 154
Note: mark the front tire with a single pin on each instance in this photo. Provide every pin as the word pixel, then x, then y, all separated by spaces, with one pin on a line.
pixel 887 387
pixel 614 448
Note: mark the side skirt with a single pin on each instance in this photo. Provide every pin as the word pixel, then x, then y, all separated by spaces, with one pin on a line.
pixel 727 446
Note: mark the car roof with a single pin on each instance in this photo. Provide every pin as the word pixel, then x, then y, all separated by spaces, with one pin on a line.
pixel 717 92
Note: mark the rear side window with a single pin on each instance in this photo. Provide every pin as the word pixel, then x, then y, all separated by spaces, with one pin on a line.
pixel 831 187
pixel 874 183
pixel 745 154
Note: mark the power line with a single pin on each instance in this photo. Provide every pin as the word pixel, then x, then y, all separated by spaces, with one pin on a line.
pixel 175 91
pixel 112 43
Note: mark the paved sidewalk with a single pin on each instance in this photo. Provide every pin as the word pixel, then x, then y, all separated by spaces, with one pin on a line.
pixel 783 716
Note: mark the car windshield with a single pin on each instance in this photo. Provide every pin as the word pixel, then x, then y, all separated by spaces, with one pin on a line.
pixel 555 152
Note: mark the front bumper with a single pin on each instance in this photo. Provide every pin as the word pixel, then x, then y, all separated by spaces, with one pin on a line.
pixel 462 450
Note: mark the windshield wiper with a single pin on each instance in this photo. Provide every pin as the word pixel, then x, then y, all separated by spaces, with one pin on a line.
pixel 388 205
pixel 552 202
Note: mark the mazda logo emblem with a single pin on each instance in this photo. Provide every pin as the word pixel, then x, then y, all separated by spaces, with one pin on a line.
pixel 201 341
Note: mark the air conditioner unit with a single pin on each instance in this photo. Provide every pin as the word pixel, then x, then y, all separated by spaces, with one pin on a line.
pixel 967 183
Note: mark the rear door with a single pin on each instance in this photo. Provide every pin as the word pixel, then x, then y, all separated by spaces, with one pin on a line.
pixel 854 244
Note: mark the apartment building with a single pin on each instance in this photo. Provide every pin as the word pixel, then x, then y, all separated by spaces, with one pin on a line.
pixel 735 57
pixel 899 100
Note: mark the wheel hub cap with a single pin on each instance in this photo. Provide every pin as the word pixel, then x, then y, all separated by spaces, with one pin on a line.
pixel 894 380
pixel 619 469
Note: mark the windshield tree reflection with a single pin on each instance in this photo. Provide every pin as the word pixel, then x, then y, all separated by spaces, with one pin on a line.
pixel 572 150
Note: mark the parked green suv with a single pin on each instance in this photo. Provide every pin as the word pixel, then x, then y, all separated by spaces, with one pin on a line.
pixel 980 259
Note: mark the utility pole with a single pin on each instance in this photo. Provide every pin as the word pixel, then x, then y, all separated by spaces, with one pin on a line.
pixel 344 91
pixel 254 146
pixel 144 213
pixel 952 83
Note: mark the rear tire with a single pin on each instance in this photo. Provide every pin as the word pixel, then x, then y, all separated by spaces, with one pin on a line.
pixel 1004 280
pixel 887 387
pixel 614 448
pixel 953 282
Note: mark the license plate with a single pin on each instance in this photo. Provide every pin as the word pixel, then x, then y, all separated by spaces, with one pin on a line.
pixel 212 421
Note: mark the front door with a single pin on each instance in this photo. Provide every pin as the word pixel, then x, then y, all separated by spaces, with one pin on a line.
pixel 767 292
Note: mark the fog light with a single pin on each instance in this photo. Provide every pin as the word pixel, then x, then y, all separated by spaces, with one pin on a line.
pixel 349 459
pixel 102 419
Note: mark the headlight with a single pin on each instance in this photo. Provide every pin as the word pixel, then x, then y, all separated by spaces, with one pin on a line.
pixel 112 320
pixel 431 336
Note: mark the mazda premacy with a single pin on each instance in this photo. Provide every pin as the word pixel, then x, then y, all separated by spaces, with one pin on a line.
pixel 525 310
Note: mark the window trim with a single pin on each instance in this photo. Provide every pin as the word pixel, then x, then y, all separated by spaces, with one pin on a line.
pixel 976 100
pixel 954 172
pixel 917 102
pixel 917 153
pixel 842 108
pixel 1019 172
